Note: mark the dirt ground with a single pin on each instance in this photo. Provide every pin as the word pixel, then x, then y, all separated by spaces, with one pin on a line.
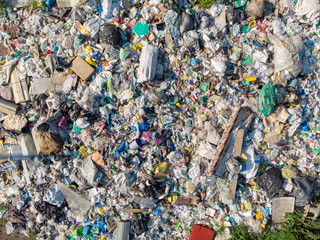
pixel 13 236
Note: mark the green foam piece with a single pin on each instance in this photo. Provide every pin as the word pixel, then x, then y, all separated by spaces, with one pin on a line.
pixel 247 61
pixel 141 29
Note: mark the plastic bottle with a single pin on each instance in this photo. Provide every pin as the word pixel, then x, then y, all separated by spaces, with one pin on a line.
pixel 106 9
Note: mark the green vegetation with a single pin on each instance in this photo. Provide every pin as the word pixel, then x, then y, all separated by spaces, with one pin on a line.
pixel 32 236
pixel 219 231
pixel 207 3
pixel 3 207
pixel 2 222
pixel 3 7
pixel 295 228
pixel 33 5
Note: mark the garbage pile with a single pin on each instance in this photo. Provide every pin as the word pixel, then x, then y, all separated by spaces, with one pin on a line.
pixel 157 119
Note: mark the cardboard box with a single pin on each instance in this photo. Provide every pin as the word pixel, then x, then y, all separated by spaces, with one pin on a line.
pixel 82 68
pixel 58 78
pixel 8 107
pixel 43 85
pixel 19 88
pixel 70 3
pixel 200 232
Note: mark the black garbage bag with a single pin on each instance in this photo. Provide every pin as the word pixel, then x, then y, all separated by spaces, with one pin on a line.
pixel 153 189
pixel 185 23
pixel 77 14
pixel 109 34
pixel 140 226
pixel 304 191
pixel 235 15
pixel 39 104
pixel 271 182
pixel 50 211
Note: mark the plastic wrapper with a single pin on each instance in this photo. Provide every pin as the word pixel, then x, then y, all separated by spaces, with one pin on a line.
pixel 54 196
pixel 125 181
pixel 87 170
pixel 206 150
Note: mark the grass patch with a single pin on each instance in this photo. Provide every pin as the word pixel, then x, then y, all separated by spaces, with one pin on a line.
pixel 294 228
pixel 32 236
pixel 208 3
pixel 2 222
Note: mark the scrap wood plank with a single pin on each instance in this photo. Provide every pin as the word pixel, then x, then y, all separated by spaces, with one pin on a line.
pixel 187 200
pixel 232 188
pixel 135 210
pixel 223 139
pixel 237 149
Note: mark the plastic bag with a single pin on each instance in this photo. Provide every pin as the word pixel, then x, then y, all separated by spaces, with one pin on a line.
pixel 267 99
pixel 50 143
pixel 148 63
pixel 287 61
pixel 54 196
pixel 303 193
pixel 87 170
pixel 250 168
pixel 125 181
pixel 140 226
pixel 186 23
pixel 271 181
pixel 255 9
pixel 109 34
pixel 308 8
pixel 206 150
pixel 76 203
pixel 49 3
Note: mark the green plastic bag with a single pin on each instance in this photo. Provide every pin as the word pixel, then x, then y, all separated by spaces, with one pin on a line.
pixel 111 88
pixel 267 99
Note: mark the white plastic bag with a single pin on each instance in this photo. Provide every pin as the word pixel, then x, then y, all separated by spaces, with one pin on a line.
pixel 287 61
pixel 309 9
pixel 206 150
pixel 148 63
